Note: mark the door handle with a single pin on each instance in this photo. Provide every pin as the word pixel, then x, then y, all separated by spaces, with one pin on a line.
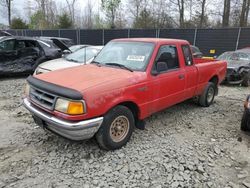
pixel 181 76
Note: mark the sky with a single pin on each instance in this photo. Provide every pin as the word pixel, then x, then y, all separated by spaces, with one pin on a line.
pixel 19 9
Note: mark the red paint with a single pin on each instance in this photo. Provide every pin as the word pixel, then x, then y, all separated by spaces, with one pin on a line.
pixel 105 87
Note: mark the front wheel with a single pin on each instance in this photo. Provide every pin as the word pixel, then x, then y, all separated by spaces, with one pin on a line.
pixel 207 97
pixel 116 128
pixel 246 80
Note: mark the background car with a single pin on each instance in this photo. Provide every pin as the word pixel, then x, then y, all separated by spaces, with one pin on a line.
pixel 4 33
pixel 238 66
pixel 74 48
pixel 79 57
pixel 77 47
pixel 22 55
pixel 245 122
pixel 196 51
pixel 66 41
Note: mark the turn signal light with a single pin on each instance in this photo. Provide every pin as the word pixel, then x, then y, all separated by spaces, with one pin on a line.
pixel 75 108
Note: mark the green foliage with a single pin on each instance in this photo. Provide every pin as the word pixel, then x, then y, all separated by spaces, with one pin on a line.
pixel 64 21
pixel 37 21
pixel 145 20
pixel 98 22
pixel 110 7
pixel 18 23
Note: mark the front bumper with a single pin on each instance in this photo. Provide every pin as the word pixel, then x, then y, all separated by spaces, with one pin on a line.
pixel 233 77
pixel 80 130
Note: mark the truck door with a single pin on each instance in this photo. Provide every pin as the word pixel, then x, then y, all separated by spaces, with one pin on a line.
pixel 168 78
pixel 191 72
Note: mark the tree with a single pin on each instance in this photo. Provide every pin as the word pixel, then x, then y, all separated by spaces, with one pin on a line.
pixel 145 20
pixel 48 13
pixel 88 16
pixel 37 21
pixel 7 4
pixel 202 15
pixel 226 13
pixel 71 7
pixel 181 8
pixel 64 21
pixel 18 23
pixel 110 6
pixel 244 13
pixel 134 7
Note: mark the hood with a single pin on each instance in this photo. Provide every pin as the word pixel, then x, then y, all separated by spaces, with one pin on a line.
pixel 85 77
pixel 234 64
pixel 60 44
pixel 56 64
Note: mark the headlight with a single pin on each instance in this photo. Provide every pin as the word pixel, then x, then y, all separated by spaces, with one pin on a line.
pixel 247 103
pixel 70 107
pixel 27 90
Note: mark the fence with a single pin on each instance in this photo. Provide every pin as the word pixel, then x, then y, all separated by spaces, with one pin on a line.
pixel 220 40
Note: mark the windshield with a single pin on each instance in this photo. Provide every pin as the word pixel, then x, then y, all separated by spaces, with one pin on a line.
pixel 76 47
pixel 83 55
pixel 225 56
pixel 133 55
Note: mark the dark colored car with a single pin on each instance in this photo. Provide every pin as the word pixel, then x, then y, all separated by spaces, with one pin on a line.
pixel 245 122
pixel 66 41
pixel 238 66
pixel 4 33
pixel 196 52
pixel 22 55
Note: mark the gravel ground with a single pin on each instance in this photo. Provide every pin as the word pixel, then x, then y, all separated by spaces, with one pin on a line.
pixel 183 146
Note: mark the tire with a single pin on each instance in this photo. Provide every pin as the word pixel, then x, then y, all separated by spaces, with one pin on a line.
pixel 116 129
pixel 245 122
pixel 207 97
pixel 246 80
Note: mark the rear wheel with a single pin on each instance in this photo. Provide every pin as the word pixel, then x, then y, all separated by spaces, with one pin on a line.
pixel 116 128
pixel 207 97
pixel 246 80
pixel 245 122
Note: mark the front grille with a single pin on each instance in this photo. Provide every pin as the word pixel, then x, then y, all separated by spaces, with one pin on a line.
pixel 42 98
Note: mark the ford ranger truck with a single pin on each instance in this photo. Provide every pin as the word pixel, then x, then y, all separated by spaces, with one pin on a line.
pixel 129 80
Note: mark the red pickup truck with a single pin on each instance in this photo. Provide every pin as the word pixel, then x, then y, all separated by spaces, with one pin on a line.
pixel 129 80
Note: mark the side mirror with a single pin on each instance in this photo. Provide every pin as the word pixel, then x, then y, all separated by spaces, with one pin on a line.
pixel 66 52
pixel 215 57
pixel 160 67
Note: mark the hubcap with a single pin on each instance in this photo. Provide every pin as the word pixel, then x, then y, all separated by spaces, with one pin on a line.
pixel 210 95
pixel 119 128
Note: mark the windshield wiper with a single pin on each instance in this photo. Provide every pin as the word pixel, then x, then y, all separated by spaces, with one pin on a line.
pixel 119 65
pixel 73 60
pixel 96 62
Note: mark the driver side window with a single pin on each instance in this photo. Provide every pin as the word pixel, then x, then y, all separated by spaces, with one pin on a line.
pixel 167 59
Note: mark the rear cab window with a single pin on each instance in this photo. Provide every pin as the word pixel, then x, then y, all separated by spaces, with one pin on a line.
pixel 188 57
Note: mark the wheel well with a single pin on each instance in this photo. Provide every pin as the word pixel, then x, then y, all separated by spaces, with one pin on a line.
pixel 133 107
pixel 214 80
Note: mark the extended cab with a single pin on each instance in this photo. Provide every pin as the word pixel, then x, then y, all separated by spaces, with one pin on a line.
pixel 129 80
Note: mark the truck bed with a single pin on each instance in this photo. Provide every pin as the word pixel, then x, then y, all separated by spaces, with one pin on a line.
pixel 207 69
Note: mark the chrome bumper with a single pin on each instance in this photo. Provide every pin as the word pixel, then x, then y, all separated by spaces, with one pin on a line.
pixel 80 130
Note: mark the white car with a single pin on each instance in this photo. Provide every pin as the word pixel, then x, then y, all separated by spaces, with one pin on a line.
pixel 79 57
